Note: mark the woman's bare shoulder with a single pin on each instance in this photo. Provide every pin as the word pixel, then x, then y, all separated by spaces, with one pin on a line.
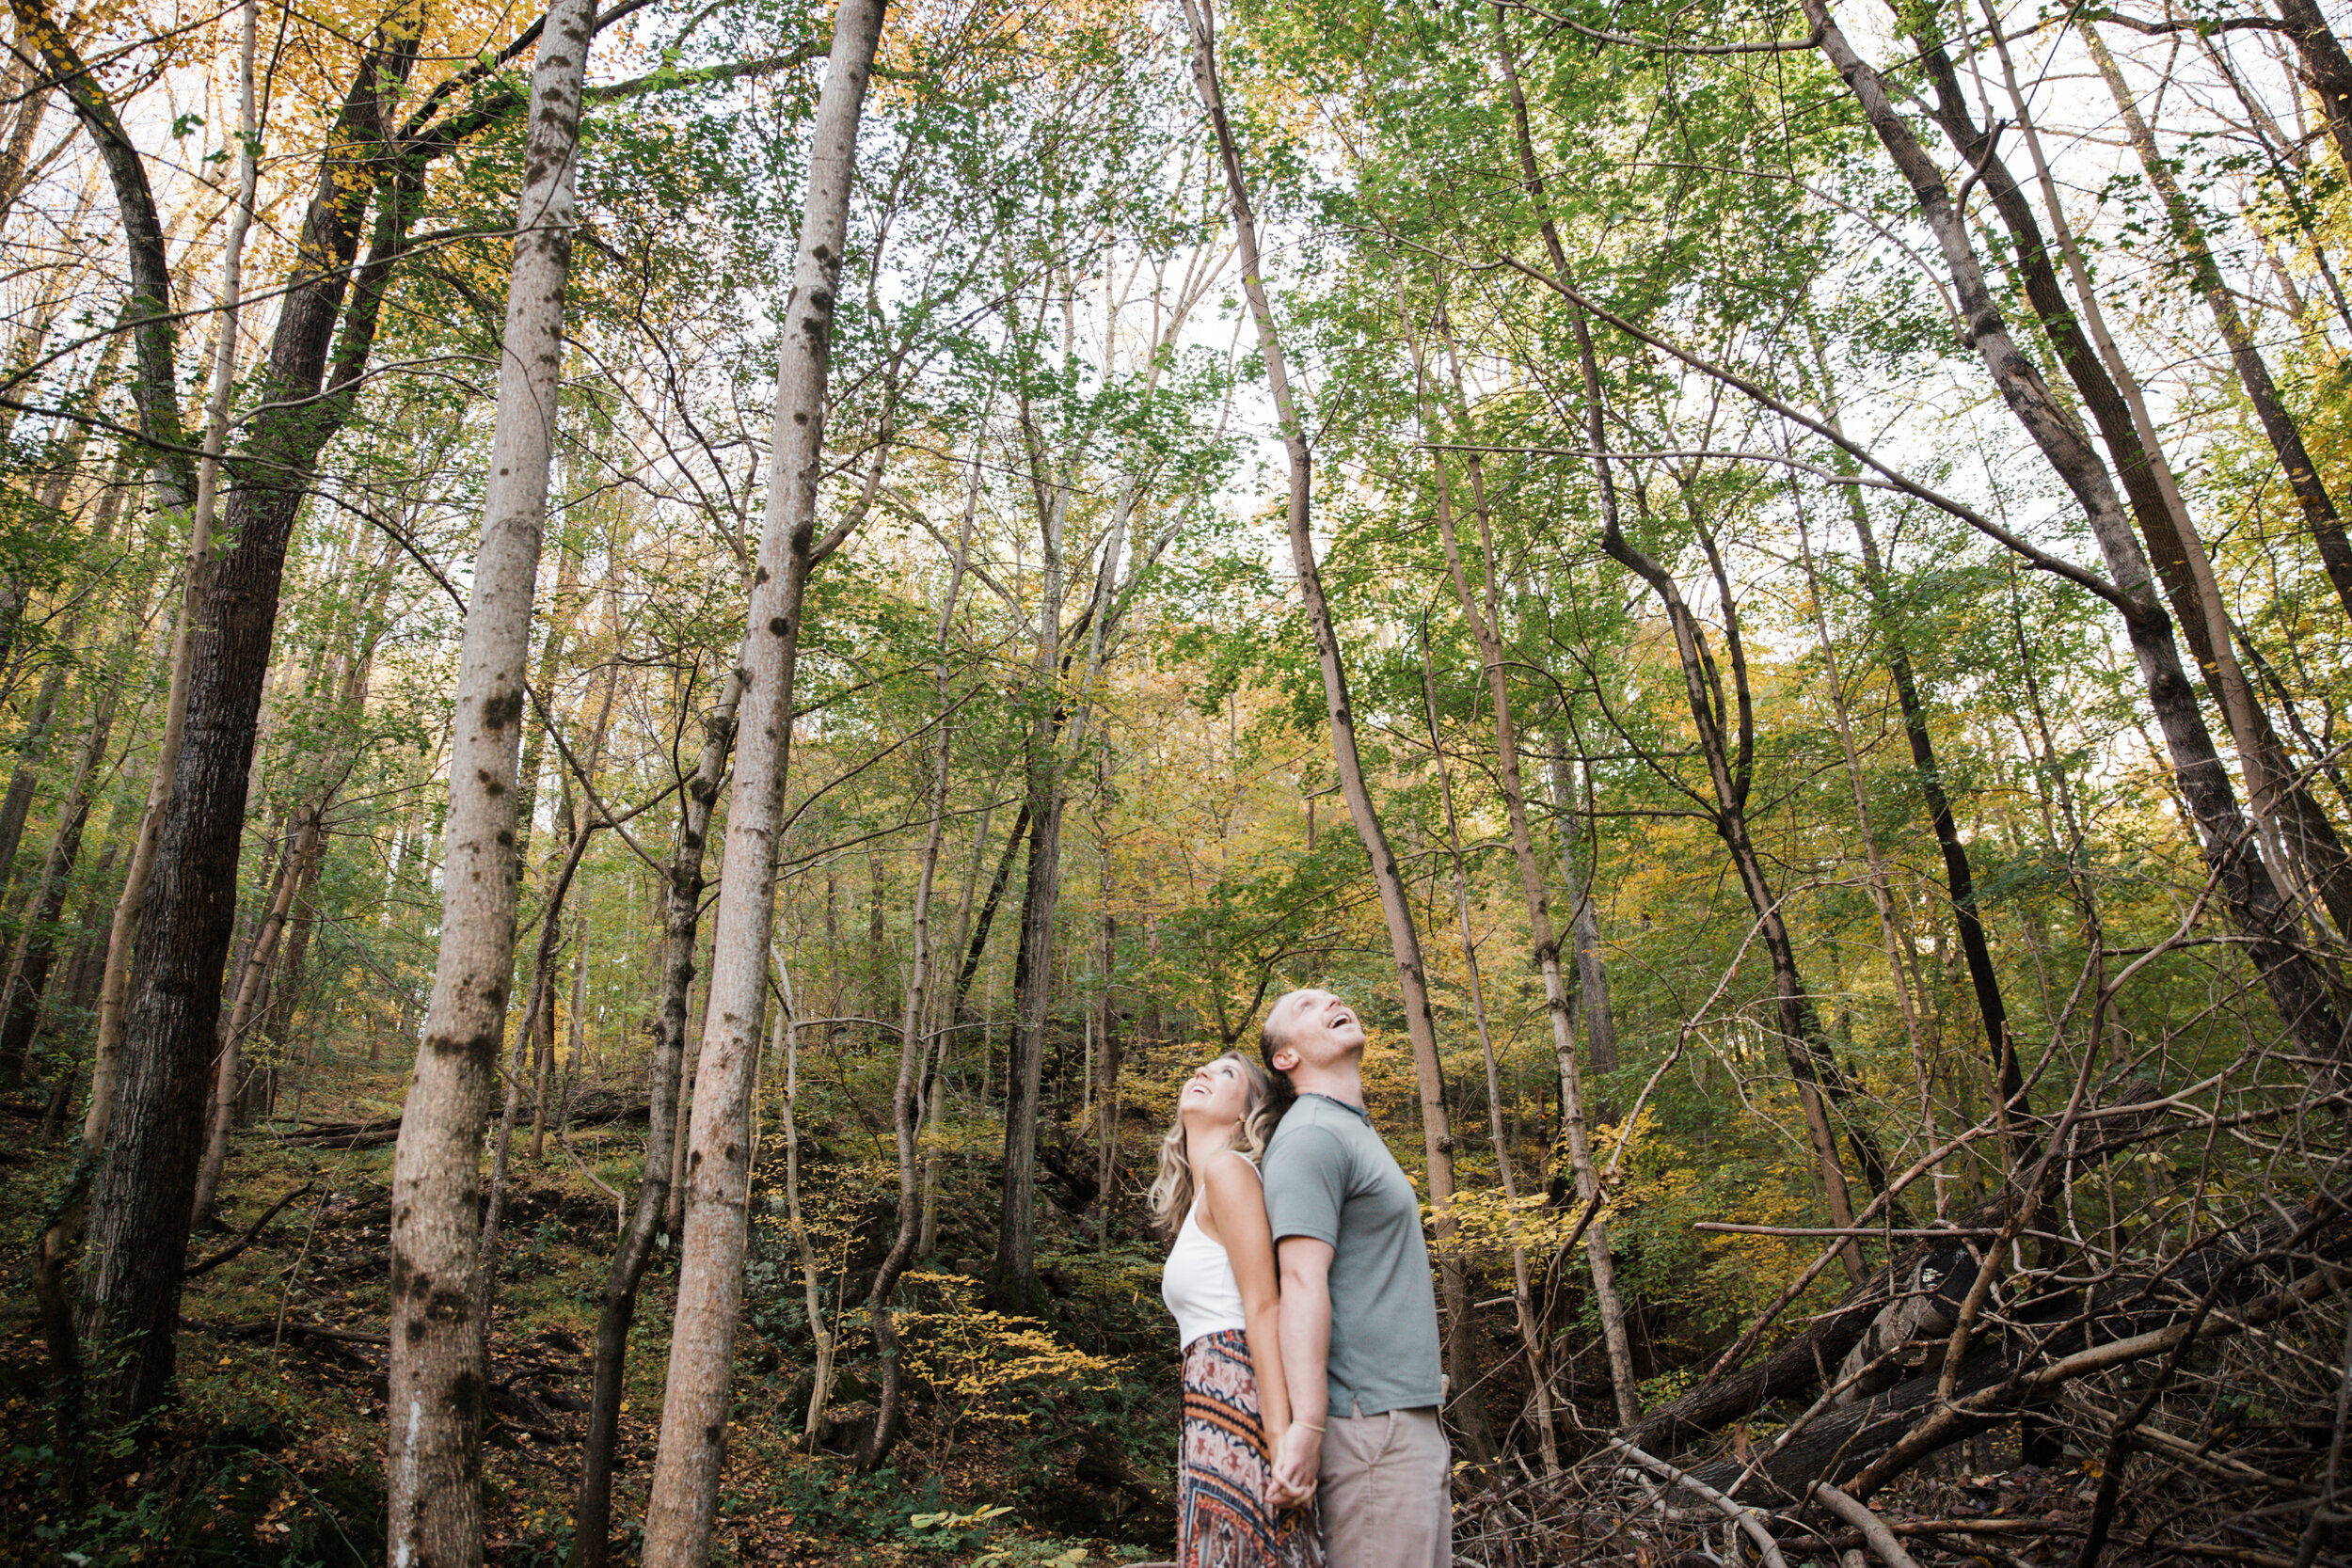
pixel 1231 1171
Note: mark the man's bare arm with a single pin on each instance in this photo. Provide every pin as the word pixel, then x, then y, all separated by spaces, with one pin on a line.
pixel 1306 1334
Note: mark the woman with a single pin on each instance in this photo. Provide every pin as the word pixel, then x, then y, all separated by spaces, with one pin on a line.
pixel 1220 1283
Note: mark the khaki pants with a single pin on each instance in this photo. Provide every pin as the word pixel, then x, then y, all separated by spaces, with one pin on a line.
pixel 1386 1491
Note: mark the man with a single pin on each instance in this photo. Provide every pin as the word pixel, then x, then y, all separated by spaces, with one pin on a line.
pixel 1358 1314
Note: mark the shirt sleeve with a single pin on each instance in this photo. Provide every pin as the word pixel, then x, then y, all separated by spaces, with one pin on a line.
pixel 1305 1185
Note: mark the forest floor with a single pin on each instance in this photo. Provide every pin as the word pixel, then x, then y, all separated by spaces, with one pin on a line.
pixel 1028 1442
pixel 273 1452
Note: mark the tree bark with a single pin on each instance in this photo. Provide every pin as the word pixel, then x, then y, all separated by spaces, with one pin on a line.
pixel 432 1454
pixel 694 1408
pixel 1395 905
pixel 2327 70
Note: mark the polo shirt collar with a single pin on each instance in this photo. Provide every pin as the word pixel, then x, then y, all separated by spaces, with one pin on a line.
pixel 1357 1111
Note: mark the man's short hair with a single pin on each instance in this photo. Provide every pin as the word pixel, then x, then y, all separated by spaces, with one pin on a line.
pixel 1283 1092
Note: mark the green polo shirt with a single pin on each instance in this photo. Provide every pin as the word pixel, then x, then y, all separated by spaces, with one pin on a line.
pixel 1328 1175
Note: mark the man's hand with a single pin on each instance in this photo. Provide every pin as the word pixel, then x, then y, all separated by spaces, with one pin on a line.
pixel 1298 1462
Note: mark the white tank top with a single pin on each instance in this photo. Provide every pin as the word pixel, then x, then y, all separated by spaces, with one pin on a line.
pixel 1198 1284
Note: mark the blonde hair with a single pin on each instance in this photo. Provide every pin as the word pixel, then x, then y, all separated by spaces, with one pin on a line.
pixel 1174 1188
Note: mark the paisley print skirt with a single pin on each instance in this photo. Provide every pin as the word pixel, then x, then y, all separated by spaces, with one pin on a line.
pixel 1224 1471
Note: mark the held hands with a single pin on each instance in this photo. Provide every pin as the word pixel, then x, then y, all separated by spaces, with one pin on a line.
pixel 1297 1458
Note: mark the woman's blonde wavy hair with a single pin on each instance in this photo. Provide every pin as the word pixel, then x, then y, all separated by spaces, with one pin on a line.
pixel 1174 1188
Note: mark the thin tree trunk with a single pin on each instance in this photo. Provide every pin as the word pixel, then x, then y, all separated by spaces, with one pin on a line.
pixel 694 1409
pixel 433 1455
pixel 575 1033
pixel 2296 989
pixel 1108 1052
pixel 28 968
pixel 681 895
pixel 2296 831
pixel 1893 940
pixel 1959 879
pixel 1395 906
pixel 2286 436
pixel 1530 1325
pixel 1485 623
pixel 81 991
pixel 535 1013
pixel 561 617
pixel 978 947
pixel 257 966
pixel 544 1064
pixel 785 1028
pixel 906 1100
pixel 1011 1282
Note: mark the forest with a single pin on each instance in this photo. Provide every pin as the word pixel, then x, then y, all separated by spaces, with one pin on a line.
pixel 664 665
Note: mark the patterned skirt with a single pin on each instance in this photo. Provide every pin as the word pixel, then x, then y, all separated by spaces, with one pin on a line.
pixel 1224 1471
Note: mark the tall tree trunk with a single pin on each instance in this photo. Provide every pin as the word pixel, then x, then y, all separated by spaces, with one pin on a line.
pixel 1012 1283
pixel 2296 831
pixel 1108 1051
pixel 784 1029
pixel 977 948
pixel 681 908
pixel 2296 988
pixel 1894 939
pixel 139 1209
pixel 1395 905
pixel 155 391
pixel 561 617
pixel 433 1453
pixel 694 1410
pixel 1576 884
pixel 536 1008
pixel 2327 70
pixel 544 1060
pixel 1818 1079
pixel 1485 623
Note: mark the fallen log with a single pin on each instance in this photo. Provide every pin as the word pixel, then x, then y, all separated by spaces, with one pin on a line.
pixel 2255 1274
pixel 243 1241
pixel 290 1330
pixel 1795 1367
pixel 593 1111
